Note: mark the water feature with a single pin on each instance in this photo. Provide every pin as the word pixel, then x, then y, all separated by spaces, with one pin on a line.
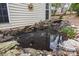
pixel 56 42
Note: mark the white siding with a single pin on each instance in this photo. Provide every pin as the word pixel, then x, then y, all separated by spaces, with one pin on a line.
pixel 20 15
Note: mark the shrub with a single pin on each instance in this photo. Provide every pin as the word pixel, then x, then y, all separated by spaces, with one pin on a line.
pixel 69 31
pixel 75 7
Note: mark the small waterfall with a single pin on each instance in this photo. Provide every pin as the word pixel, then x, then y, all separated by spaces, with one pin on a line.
pixel 55 42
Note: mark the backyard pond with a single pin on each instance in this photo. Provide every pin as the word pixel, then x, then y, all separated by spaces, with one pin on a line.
pixel 47 38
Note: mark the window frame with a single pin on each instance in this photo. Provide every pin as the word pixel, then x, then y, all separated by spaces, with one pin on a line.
pixel 5 17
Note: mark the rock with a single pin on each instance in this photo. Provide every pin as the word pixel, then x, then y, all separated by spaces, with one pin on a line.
pixel 1 35
pixel 72 53
pixel 2 40
pixel 67 53
pixel 32 40
pixel 77 50
pixel 64 23
pixel 58 24
pixel 45 53
pixel 77 39
pixel 6 38
pixel 70 45
pixel 32 51
pixel 13 52
pixel 62 53
pixel 49 55
pixel 25 54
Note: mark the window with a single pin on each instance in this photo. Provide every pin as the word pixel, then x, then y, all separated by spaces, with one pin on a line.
pixel 3 13
pixel 47 14
pixel 47 5
pixel 47 11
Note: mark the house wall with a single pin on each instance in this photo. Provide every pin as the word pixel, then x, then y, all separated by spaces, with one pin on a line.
pixel 20 15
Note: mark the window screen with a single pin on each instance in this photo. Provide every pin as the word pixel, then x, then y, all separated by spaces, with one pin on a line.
pixel 3 13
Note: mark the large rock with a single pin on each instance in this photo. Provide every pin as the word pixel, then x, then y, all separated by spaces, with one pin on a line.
pixel 37 39
pixel 70 45
pixel 6 38
pixel 58 24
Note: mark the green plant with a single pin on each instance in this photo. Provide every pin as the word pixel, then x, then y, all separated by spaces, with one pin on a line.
pixel 75 7
pixel 69 31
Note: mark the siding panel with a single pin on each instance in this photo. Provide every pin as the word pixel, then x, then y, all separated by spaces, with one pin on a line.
pixel 20 15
